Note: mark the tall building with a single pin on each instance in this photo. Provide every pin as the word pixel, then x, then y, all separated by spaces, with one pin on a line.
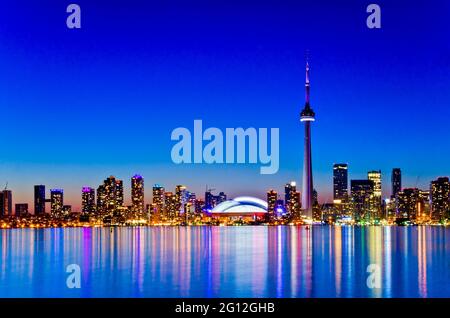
pixel 362 194
pixel 375 176
pixel 307 116
pixel 396 181
pixel 137 195
pixel 375 204
pixel 180 198
pixel 21 209
pixel 39 199
pixel 119 193
pixel 291 199
pixel 101 199
pixel 209 200
pixel 440 194
pixel 317 212
pixel 212 200
pixel 6 203
pixel 296 203
pixel 424 207
pixel 56 202
pixel 340 182
pixel 407 203
pixel 113 193
pixel 271 201
pixel 158 198
pixel 88 200
pixel 170 205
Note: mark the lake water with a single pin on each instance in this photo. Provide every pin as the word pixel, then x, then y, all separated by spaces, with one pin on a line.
pixel 258 261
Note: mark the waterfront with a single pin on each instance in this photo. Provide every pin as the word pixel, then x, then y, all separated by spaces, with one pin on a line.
pixel 247 261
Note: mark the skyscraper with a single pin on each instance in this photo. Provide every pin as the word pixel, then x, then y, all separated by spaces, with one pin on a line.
pixel 180 198
pixel 158 198
pixel 340 182
pixel 170 205
pixel 375 202
pixel 88 200
pixel 101 199
pixel 39 199
pixel 6 203
pixel 137 195
pixel 271 201
pixel 290 197
pixel 113 194
pixel 307 116
pixel 362 193
pixel 56 202
pixel 396 181
pixel 407 203
pixel 440 193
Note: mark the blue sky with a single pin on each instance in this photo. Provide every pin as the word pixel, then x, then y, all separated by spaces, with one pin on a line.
pixel 80 105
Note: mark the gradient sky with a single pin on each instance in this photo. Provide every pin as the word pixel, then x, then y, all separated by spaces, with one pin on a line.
pixel 80 105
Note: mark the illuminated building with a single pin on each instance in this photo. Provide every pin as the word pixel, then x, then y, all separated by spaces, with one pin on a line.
pixel 329 213
pixel 39 199
pixel 66 210
pixel 189 206
pixel 209 200
pixel 271 201
pixel 307 116
pixel 21 209
pixel 340 182
pixel 362 194
pixel 280 209
pixel 113 195
pixel 56 202
pixel 88 200
pixel 396 181
pixel 407 201
pixel 424 207
pixel 6 203
pixel 170 205
pixel 317 212
pixel 180 198
pixel 440 193
pixel 158 198
pixel 375 176
pixel 119 193
pixel 375 204
pixel 137 195
pixel 101 199
pixel 212 200
pixel 241 208
pixel 292 198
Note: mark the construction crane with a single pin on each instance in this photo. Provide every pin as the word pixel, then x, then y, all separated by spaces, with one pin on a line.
pixel 6 186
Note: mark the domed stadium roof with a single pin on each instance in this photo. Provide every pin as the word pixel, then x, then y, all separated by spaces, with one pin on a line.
pixel 242 205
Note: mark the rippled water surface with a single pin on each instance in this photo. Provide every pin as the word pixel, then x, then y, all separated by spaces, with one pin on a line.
pixel 254 261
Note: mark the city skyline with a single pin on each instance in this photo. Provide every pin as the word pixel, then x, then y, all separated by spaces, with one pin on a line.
pixel 340 185
pixel 366 119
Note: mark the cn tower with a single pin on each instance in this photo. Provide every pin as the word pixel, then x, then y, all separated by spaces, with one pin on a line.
pixel 307 116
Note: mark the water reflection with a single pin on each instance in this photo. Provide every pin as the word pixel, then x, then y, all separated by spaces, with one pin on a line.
pixel 226 261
